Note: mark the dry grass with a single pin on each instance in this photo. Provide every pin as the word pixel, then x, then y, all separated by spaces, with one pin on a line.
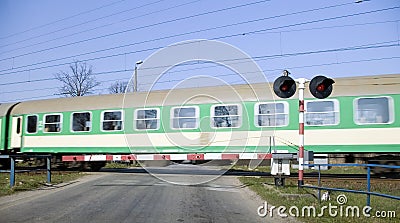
pixel 278 196
pixel 32 180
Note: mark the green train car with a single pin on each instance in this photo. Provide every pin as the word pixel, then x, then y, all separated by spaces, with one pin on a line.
pixel 361 117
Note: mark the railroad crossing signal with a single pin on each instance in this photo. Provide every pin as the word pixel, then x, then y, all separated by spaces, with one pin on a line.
pixel 321 86
pixel 284 86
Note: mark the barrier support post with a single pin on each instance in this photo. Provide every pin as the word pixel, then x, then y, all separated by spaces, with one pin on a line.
pixel 319 183
pixel 12 171
pixel 48 169
pixel 368 185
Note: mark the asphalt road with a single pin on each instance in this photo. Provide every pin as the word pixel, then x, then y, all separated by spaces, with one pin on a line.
pixel 178 193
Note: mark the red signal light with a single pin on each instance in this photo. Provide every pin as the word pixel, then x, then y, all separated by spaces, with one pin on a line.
pixel 321 87
pixel 284 88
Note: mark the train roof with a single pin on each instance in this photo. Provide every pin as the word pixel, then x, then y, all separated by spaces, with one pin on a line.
pixel 180 97
pixel 4 107
pixel 348 86
pixel 366 85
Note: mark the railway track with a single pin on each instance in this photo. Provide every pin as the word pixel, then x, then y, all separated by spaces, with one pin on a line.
pixel 308 176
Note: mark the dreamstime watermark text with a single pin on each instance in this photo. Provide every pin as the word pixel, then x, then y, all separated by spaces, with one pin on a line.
pixel 338 209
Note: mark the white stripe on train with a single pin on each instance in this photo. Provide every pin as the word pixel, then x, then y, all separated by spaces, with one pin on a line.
pixel 365 136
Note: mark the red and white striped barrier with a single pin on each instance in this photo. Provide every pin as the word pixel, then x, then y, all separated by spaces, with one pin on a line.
pixel 140 157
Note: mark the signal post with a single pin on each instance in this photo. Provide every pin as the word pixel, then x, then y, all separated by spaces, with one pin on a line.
pixel 302 82
pixel 285 87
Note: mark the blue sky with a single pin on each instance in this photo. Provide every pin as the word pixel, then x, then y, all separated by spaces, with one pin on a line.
pixel 39 38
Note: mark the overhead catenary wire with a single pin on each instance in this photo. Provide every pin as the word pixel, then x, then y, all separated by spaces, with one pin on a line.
pixel 73 34
pixel 86 22
pixel 362 47
pixel 95 28
pixel 180 34
pixel 333 26
pixel 291 67
pixel 274 56
pixel 231 74
pixel 300 30
pixel 52 88
pixel 215 38
pixel 371 46
pixel 150 49
pixel 53 95
pixel 278 69
pixel 63 19
pixel 138 28
pixel 315 21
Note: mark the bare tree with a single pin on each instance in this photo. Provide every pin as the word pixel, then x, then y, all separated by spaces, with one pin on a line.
pixel 78 81
pixel 119 87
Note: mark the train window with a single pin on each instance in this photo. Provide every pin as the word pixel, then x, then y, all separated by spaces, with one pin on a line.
pixel 147 119
pixel 321 112
pixel 18 125
pixel 225 116
pixel 185 117
pixel 272 114
pixel 81 121
pixel 111 121
pixel 52 123
pixel 32 122
pixel 377 110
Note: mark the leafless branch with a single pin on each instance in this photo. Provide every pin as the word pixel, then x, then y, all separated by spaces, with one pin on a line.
pixel 78 82
pixel 119 87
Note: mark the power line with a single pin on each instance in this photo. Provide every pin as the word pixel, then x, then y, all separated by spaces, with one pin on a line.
pixel 180 34
pixel 335 26
pixel 215 38
pixel 53 78
pixel 376 45
pixel 63 19
pixel 370 46
pixel 90 59
pixel 267 70
pixel 280 69
pixel 131 19
pixel 29 81
pixel 310 22
pixel 88 30
pixel 261 58
pixel 52 88
pixel 138 28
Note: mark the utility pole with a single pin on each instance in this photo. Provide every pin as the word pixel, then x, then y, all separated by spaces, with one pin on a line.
pixel 135 87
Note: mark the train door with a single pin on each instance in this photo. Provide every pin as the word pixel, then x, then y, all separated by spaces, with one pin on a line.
pixel 16 132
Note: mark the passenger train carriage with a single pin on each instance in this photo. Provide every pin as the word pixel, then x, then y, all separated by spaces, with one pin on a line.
pixel 362 116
